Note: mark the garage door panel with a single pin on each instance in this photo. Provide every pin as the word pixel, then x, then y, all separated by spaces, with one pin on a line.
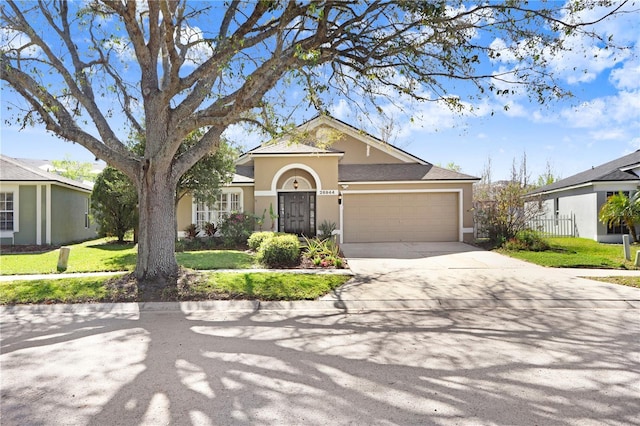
pixel 401 217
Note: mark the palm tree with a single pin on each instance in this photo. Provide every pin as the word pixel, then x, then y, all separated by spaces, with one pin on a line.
pixel 620 209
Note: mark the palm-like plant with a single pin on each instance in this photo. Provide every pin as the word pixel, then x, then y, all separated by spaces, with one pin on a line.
pixel 620 209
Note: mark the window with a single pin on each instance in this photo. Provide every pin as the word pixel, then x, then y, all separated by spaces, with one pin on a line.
pixel 226 203
pixel 617 229
pixel 87 221
pixel 6 211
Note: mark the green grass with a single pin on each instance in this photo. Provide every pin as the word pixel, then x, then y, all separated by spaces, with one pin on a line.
pixel 267 286
pixel 103 255
pixel 201 286
pixel 216 259
pixel 569 252
pixel 628 281
pixel 76 290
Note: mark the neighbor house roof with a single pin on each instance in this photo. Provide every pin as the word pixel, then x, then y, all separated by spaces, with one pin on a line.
pixel 397 172
pixel 14 170
pixel 618 170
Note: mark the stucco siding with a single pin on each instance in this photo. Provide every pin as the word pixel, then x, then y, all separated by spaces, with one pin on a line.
pixel 325 168
pixel 584 209
pixel 68 209
pixel 184 212
pixel 27 233
pixel 357 152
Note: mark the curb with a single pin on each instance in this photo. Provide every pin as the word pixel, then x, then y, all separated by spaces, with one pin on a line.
pixel 4 278
pixel 335 306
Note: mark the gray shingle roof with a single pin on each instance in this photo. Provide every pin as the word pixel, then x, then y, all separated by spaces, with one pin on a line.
pixel 243 174
pixel 607 172
pixel 396 172
pixel 13 170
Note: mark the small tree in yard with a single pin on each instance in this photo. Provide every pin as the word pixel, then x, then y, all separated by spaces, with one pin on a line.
pixel 165 69
pixel 622 210
pixel 502 209
pixel 114 203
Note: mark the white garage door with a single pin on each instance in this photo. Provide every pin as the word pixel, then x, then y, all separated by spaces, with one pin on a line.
pixel 431 216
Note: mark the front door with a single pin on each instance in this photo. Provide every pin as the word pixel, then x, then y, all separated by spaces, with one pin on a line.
pixel 297 212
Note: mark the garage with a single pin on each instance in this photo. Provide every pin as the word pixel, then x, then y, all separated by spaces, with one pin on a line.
pixel 408 216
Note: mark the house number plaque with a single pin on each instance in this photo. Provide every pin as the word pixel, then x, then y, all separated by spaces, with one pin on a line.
pixel 328 192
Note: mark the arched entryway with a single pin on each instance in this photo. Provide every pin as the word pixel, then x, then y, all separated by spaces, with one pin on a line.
pixel 296 189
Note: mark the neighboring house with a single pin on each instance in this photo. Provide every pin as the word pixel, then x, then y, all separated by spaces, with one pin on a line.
pixel 38 207
pixel 47 165
pixel 582 195
pixel 371 191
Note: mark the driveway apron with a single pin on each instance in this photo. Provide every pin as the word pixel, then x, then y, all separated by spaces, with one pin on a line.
pixel 460 275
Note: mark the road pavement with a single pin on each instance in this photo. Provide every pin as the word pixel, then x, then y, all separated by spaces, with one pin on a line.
pixel 440 337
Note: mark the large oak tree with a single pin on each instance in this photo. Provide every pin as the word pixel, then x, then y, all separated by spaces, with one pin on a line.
pixel 91 70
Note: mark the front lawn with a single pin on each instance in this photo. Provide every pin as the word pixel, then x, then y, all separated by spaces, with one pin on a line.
pixel 197 286
pixel 104 255
pixel 568 252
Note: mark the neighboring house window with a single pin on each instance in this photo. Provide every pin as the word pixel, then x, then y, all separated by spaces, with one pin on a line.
pixel 87 222
pixel 617 229
pixel 6 211
pixel 227 202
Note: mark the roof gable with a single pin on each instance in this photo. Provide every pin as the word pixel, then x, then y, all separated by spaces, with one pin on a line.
pixel 618 170
pixel 362 137
pixel 319 143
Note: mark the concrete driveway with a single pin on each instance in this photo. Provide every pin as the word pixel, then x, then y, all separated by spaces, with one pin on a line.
pixel 461 275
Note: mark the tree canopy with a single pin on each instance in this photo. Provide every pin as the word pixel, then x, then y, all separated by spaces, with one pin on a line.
pixel 94 71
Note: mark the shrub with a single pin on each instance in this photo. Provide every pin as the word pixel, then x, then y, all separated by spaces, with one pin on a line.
pixel 236 228
pixel 323 252
pixel 327 228
pixel 527 240
pixel 257 238
pixel 280 250
pixel 191 231
pixel 210 229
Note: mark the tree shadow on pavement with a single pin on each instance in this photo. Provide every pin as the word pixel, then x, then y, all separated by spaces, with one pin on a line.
pixel 479 366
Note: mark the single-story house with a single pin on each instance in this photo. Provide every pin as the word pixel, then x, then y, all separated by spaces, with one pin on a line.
pixel 582 195
pixel 330 171
pixel 38 207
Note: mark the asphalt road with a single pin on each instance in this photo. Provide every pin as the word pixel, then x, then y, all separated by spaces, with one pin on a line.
pixel 119 365
pixel 450 337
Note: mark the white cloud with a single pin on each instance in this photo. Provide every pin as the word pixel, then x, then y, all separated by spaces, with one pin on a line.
pixel 11 40
pixel 608 134
pixel 627 76
pixel 340 110
pixel 200 50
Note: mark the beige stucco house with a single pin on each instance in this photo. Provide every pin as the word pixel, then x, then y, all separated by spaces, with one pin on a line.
pixel 371 191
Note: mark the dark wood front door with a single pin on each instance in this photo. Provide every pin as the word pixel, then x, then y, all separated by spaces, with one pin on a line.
pixel 297 212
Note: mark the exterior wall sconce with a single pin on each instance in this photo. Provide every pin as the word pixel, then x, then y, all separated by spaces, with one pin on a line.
pixel 339 198
pixel 295 184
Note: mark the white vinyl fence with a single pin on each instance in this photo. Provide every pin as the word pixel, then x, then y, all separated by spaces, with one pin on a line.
pixel 560 226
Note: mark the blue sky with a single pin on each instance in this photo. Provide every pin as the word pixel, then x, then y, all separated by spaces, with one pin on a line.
pixel 600 123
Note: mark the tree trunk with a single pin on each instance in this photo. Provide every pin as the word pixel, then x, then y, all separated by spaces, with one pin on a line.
pixel 156 268
pixel 632 230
